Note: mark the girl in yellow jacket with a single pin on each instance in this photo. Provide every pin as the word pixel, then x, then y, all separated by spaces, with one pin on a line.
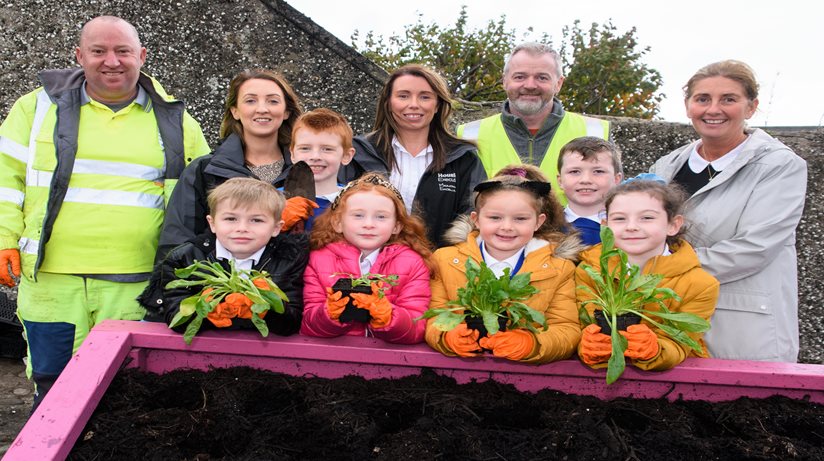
pixel 516 224
pixel 645 217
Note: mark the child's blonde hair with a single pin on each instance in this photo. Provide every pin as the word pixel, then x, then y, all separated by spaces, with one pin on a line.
pixel 672 198
pixel 412 232
pixel 527 178
pixel 247 192
pixel 324 120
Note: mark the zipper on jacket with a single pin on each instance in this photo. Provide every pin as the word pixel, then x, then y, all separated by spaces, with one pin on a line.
pixel 529 148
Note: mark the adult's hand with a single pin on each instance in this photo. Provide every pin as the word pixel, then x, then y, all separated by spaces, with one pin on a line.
pixel 9 265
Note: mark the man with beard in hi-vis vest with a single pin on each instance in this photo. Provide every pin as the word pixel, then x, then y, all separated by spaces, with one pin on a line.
pixel 87 164
pixel 533 126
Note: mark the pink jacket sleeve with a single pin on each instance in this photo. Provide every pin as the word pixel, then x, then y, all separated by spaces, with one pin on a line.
pixel 316 320
pixel 409 299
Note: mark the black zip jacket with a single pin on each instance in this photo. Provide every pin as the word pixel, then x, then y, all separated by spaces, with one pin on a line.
pixel 284 258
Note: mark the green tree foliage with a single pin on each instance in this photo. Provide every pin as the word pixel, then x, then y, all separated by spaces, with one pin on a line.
pixel 605 75
pixel 471 60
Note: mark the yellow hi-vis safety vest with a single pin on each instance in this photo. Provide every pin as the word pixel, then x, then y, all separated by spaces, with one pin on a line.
pixel 115 192
pixel 496 151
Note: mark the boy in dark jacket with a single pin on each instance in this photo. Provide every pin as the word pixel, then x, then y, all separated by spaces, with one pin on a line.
pixel 245 222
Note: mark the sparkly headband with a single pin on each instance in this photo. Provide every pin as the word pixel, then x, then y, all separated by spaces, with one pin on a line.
pixel 518 171
pixel 646 177
pixel 539 188
pixel 369 178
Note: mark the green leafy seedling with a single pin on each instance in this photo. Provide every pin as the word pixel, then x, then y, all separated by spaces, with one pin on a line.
pixel 490 298
pixel 215 283
pixel 625 290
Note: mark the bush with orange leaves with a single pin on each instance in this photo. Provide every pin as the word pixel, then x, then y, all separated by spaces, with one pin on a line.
pixel 238 293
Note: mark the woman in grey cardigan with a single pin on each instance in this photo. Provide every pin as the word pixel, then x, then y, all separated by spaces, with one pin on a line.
pixel 747 194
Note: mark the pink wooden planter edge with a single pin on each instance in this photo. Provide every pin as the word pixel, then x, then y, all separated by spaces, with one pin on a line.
pixel 52 431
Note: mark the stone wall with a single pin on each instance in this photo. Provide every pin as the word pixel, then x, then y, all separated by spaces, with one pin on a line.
pixel 196 46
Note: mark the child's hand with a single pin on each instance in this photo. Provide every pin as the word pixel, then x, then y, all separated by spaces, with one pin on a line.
pixel 463 341
pixel 297 209
pixel 335 304
pixel 642 342
pixel 596 347
pixel 511 344
pixel 380 309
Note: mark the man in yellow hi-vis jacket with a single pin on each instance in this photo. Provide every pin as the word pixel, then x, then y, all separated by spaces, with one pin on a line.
pixel 533 125
pixel 87 163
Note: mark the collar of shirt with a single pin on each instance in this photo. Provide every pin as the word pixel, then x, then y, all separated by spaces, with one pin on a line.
pixel 247 264
pixel 572 216
pixel 331 197
pixel 409 171
pixel 367 261
pixel 142 97
pixel 498 267
pixel 698 164
pixel 399 149
pixel 666 252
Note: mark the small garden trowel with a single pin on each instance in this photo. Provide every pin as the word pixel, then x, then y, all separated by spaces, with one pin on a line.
pixel 300 182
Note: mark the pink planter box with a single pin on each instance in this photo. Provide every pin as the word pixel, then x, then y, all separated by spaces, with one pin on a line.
pixel 53 429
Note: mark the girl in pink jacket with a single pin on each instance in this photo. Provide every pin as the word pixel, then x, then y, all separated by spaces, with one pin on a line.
pixel 367 232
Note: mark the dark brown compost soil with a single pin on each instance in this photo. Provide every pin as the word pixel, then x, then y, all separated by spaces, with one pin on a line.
pixel 246 414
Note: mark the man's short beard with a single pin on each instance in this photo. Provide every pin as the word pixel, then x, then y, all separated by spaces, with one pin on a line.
pixel 528 107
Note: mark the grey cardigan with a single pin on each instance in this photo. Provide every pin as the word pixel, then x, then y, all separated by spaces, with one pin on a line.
pixel 742 225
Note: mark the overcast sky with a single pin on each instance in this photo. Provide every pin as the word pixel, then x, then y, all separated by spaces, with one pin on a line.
pixel 782 40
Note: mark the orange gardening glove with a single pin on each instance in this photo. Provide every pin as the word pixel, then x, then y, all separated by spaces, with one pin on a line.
pixel 380 309
pixel 335 304
pixel 297 209
pixel 222 315
pixel 243 303
pixel 463 341
pixel 596 347
pixel 511 344
pixel 9 265
pixel 642 342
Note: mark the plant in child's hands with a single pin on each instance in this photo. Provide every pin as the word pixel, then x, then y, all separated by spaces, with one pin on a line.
pixel 240 293
pixel 625 290
pixel 367 279
pixel 490 298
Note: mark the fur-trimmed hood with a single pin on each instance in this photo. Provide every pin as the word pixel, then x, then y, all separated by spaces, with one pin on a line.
pixel 567 247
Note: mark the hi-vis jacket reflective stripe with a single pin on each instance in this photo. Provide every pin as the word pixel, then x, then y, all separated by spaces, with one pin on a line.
pixel 105 198
pixel 496 151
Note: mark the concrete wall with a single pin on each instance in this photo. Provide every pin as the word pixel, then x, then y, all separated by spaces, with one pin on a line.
pixel 195 47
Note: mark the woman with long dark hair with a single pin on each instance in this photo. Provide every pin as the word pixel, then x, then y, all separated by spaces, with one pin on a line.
pixel 256 130
pixel 411 143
